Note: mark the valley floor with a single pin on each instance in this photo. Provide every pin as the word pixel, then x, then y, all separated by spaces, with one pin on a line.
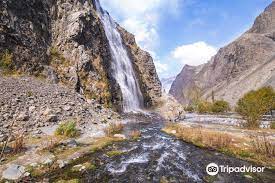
pixel 225 134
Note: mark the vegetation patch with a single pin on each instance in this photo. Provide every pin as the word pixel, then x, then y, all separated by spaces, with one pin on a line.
pixel 135 134
pixel 67 129
pixel 254 104
pixel 257 148
pixel 114 128
pixel 6 63
pixel 114 153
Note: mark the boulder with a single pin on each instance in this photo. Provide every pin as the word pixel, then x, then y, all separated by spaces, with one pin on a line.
pixel 14 172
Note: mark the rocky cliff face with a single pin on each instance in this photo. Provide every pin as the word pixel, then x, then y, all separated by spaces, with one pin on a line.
pixel 245 64
pixel 65 42
pixel 182 83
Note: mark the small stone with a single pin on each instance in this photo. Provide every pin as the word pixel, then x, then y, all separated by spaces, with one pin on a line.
pixel 47 112
pixel 62 163
pixel 47 162
pixel 52 118
pixel 31 108
pixel 121 136
pixel 13 172
pixel 173 131
pixel 67 108
pixel 23 117
pixel 70 143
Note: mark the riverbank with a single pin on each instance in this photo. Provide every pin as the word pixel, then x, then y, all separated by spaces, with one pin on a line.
pixel 226 136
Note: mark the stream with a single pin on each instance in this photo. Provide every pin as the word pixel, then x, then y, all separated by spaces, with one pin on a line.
pixel 158 157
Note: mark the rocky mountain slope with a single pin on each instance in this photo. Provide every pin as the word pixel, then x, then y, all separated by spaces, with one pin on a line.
pixel 65 42
pixel 245 64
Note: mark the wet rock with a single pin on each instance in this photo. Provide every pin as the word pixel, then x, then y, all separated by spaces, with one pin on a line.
pixel 13 172
pixel 62 163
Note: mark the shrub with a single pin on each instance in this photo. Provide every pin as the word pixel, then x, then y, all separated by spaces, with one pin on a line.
pixel 255 104
pixel 262 145
pixel 272 125
pixel 204 107
pixel 6 60
pixel 18 144
pixel 67 129
pixel 50 144
pixel 189 108
pixel 220 106
pixel 114 128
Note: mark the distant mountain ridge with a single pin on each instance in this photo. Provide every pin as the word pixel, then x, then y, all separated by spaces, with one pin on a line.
pixel 245 64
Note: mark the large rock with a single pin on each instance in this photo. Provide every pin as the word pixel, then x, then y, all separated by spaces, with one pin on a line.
pixel 245 64
pixel 65 42
pixel 14 172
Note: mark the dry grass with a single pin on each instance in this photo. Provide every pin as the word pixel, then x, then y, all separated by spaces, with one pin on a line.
pixel 135 134
pixel 257 148
pixel 262 145
pixel 114 128
pixel 202 138
pixel 49 144
pixel 18 145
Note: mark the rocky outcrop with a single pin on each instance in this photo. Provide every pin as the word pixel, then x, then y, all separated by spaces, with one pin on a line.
pixel 145 69
pixel 245 64
pixel 65 42
pixel 180 87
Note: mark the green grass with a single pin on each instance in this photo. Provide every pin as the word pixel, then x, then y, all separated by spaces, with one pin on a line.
pixel 67 129
pixel 114 153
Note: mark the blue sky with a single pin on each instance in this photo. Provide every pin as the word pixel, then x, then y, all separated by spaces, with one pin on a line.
pixel 179 32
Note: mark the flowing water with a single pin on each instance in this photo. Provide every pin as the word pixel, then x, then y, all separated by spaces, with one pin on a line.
pixel 121 64
pixel 158 157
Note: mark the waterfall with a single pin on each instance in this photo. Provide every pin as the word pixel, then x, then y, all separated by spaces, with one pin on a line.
pixel 121 64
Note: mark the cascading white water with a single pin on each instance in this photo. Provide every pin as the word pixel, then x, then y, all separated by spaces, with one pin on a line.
pixel 121 64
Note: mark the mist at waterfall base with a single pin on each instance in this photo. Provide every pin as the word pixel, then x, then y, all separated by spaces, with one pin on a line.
pixel 121 64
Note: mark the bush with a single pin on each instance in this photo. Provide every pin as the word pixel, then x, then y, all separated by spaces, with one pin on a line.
pixel 272 125
pixel 67 129
pixel 6 60
pixel 114 128
pixel 220 106
pixel 204 107
pixel 254 105
pixel 189 108
pixel 18 144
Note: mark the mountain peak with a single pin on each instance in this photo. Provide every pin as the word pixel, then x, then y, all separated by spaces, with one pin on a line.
pixel 265 22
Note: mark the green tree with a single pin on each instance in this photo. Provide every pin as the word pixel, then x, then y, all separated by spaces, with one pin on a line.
pixel 204 107
pixel 255 104
pixel 220 106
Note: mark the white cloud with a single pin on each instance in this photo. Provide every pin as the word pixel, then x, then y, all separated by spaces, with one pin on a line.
pixel 141 17
pixel 194 54
pixel 161 68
